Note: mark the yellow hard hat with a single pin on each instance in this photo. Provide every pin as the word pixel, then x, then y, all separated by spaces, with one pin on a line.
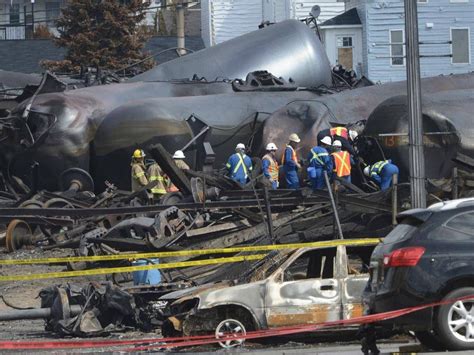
pixel 138 153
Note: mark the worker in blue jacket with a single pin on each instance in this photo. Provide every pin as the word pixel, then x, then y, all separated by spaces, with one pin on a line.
pixel 382 173
pixel 239 165
pixel 290 162
pixel 320 161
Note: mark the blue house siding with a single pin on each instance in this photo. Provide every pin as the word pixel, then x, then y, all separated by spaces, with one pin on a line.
pixel 383 16
pixel 361 10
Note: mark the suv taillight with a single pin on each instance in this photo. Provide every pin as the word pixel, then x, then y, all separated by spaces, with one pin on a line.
pixel 403 257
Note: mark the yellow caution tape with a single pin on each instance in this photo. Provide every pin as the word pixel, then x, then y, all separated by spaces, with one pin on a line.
pixel 114 270
pixel 170 254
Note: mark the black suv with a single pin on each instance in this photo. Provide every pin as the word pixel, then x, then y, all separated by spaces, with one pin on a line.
pixel 428 257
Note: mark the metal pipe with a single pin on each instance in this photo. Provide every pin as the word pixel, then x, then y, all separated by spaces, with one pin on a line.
pixel 32 18
pixel 455 183
pixel 36 313
pixel 180 29
pixel 269 214
pixel 333 204
pixel 24 22
pixel 394 199
pixel 417 161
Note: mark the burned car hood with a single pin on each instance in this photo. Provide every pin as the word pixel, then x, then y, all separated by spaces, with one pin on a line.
pixel 193 291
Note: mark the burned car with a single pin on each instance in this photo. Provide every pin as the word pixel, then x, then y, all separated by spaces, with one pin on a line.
pixel 286 288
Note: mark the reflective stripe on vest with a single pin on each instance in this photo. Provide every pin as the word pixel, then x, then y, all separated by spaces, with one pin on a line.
pixel 376 169
pixel 293 155
pixel 343 163
pixel 139 175
pixel 339 131
pixel 157 190
pixel 273 168
pixel 317 157
pixel 241 162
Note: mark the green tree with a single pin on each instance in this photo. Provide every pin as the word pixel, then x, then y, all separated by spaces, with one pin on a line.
pixel 102 33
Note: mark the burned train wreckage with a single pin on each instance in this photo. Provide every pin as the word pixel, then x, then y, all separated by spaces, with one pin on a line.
pixel 254 89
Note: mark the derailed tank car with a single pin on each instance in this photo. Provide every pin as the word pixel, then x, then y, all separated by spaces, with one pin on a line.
pixel 308 117
pixel 59 129
pixel 448 131
pixel 231 118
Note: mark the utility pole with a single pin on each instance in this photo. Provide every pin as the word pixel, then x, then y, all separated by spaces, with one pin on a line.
pixel 33 17
pixel 180 28
pixel 415 124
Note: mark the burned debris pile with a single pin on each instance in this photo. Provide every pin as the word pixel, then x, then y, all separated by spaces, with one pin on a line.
pixel 209 211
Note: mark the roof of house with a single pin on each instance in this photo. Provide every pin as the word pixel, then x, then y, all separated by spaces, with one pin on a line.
pixel 347 18
pixel 25 55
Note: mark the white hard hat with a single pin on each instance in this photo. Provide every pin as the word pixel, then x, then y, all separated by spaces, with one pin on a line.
pixel 367 171
pixel 294 138
pixel 271 146
pixel 178 155
pixel 326 140
pixel 337 143
pixel 353 134
pixel 240 146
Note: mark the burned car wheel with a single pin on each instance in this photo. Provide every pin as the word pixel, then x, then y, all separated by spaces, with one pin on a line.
pixel 232 328
pixel 455 321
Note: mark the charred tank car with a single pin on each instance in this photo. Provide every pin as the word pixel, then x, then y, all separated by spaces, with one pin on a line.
pixel 58 130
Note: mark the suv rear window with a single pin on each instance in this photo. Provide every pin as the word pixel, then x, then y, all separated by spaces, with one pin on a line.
pixel 462 223
pixel 402 231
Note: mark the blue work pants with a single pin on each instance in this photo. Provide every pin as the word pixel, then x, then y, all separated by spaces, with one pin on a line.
pixel 386 176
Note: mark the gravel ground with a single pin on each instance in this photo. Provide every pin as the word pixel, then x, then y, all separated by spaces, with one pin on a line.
pixel 23 294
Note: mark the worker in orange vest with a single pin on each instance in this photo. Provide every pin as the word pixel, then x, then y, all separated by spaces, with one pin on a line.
pixel 342 134
pixel 270 165
pixel 342 161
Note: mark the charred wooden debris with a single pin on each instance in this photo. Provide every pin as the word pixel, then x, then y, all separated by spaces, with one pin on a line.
pixel 210 211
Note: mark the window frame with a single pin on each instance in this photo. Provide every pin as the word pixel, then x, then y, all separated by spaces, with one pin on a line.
pixel 468 44
pixel 402 44
pixel 14 13
pixel 49 17
pixel 279 274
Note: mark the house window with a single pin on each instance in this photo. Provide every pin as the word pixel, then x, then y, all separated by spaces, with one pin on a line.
pixel 14 14
pixel 53 10
pixel 397 50
pixel 460 46
pixel 458 0
pixel 422 1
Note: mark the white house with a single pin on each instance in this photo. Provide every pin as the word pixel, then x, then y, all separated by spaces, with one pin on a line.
pixel 445 33
pixel 222 20
pixel 342 38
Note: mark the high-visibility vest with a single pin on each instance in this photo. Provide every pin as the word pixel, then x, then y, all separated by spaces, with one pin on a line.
pixel 339 131
pixel 376 169
pixel 139 178
pixel 342 165
pixel 273 168
pixel 154 172
pixel 241 163
pixel 317 157
pixel 293 155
